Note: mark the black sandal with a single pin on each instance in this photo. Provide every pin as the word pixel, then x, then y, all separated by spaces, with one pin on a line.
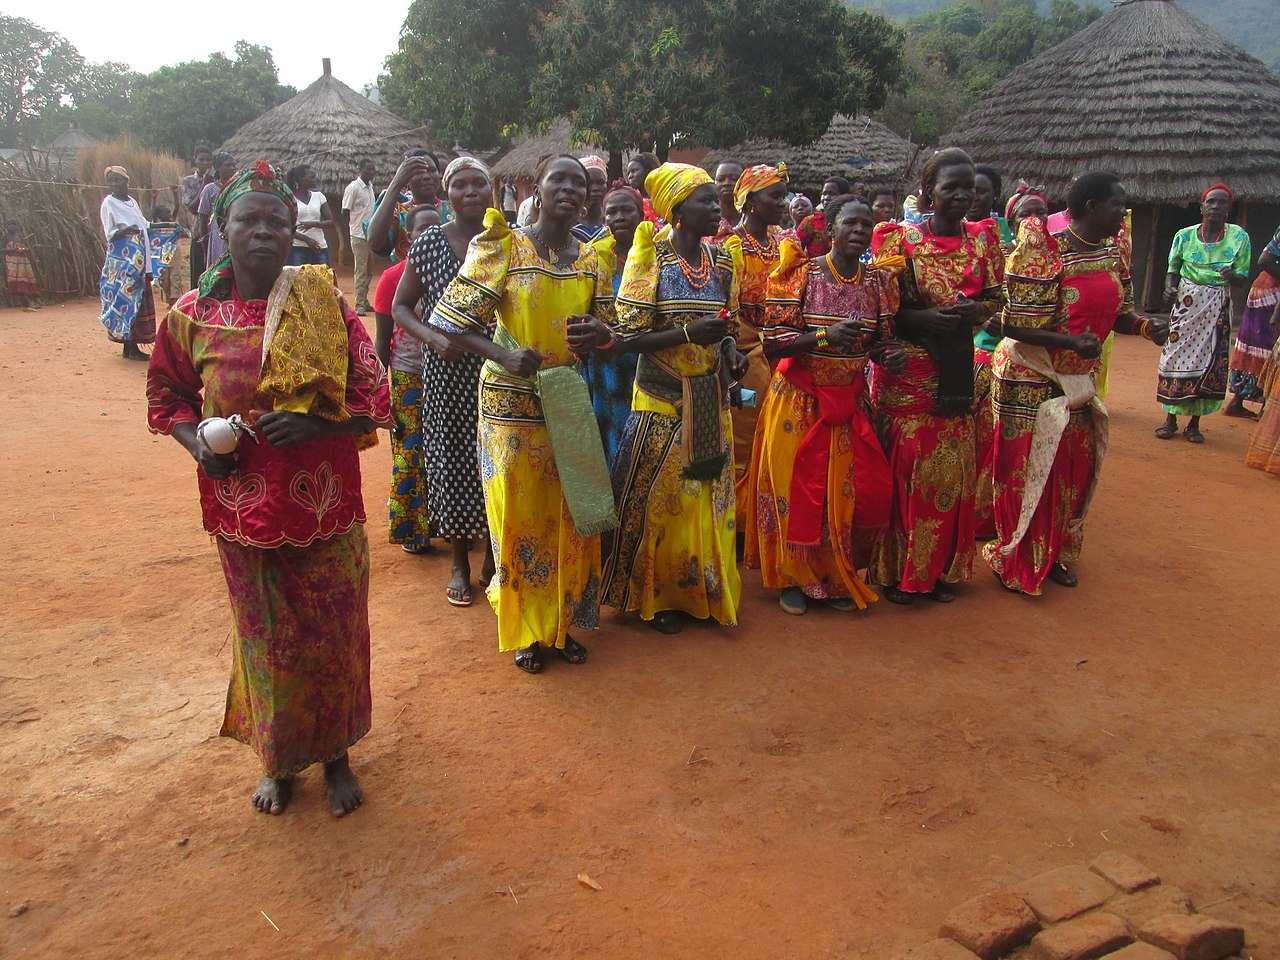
pixel 1061 574
pixel 666 621
pixel 530 659
pixel 573 651
pixel 899 596
pixel 1193 435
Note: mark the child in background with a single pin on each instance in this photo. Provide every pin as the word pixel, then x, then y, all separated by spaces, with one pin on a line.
pixel 20 274
pixel 169 258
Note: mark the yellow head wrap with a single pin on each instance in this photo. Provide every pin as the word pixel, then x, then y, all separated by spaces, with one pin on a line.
pixel 670 185
pixel 117 169
pixel 757 178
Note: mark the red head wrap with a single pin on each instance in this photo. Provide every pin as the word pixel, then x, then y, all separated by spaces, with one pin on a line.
pixel 1231 197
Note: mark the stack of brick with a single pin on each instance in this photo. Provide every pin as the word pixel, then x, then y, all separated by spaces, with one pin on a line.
pixel 1115 908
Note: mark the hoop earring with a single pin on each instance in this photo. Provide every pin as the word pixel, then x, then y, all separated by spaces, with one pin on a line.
pixel 537 201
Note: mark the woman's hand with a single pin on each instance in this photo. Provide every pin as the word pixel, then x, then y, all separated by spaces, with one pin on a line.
pixel 893 358
pixel 735 360
pixel 844 334
pixel 936 319
pixel 1158 330
pixel 1087 345
pixel 972 312
pixel 285 429
pixel 1170 292
pixel 586 333
pixel 216 466
pixel 523 363
pixel 707 329
pixel 443 347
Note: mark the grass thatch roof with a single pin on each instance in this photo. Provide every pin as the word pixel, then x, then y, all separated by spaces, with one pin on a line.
pixel 1147 92
pixel 331 127
pixel 857 148
pixel 523 158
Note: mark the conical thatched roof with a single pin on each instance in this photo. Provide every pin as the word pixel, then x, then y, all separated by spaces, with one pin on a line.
pixel 523 158
pixel 1147 92
pixel 331 127
pixel 857 148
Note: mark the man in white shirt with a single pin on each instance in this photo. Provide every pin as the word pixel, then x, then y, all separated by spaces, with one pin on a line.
pixel 357 204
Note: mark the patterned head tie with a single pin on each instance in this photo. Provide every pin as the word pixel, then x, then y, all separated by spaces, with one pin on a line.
pixel 455 167
pixel 757 178
pixel 670 184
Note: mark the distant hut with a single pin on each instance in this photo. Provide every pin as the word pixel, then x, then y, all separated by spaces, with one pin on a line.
pixel 522 159
pixel 331 127
pixel 1153 95
pixel 856 148
pixel 64 149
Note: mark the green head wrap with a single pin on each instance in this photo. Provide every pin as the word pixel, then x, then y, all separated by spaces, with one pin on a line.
pixel 262 177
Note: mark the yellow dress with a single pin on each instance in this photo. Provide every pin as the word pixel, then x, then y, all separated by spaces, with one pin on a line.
pixel 803 298
pixel 675 546
pixel 547 576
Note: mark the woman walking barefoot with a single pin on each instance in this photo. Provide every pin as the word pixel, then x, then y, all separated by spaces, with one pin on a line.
pixel 451 377
pixel 285 506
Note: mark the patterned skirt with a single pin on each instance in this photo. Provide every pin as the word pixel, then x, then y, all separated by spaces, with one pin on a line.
pixel 1052 535
pixel 676 543
pixel 932 524
pixel 455 496
pixel 1264 446
pixel 20 276
pixel 983 428
pixel 299 691
pixel 128 309
pixel 1253 343
pixel 407 502
pixel 1194 363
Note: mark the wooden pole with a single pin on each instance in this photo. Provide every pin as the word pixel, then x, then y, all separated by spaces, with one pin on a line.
pixel 1152 240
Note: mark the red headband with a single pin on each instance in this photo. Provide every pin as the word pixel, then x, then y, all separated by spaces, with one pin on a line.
pixel 1231 197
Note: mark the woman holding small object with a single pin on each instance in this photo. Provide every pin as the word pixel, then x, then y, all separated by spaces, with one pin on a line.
pixel 285 506
pixel 674 550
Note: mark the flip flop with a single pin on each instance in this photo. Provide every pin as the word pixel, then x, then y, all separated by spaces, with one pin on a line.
pixel 1193 436
pixel 1165 432
pixel 464 600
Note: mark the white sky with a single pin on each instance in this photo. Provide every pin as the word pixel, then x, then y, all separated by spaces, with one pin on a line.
pixel 364 33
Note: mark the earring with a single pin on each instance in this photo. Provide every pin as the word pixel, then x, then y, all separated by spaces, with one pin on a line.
pixel 537 201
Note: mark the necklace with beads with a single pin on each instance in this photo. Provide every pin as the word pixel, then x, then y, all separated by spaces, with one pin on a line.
pixel 765 251
pixel 1091 244
pixel 1206 241
pixel 831 265
pixel 700 275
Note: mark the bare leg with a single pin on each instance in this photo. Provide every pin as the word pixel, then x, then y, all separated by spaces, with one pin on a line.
pixel 344 790
pixel 486 569
pixel 1169 428
pixel 459 587
pixel 272 795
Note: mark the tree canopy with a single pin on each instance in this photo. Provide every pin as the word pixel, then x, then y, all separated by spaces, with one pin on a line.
pixel 955 53
pixel 654 74
pixel 38 69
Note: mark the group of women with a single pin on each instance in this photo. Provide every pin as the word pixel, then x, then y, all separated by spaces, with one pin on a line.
pixel 576 404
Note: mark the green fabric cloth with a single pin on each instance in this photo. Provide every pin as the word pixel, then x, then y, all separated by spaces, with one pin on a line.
pixel 1199 262
pixel 575 443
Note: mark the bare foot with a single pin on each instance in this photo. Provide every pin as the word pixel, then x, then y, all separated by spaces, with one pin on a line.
pixel 344 790
pixel 272 795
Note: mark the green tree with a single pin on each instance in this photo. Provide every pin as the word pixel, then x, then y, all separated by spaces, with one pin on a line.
pixel 38 69
pixel 101 105
pixel 715 73
pixel 464 67
pixel 206 101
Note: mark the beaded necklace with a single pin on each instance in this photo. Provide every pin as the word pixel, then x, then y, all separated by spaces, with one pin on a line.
pixel 840 277
pixel 765 251
pixel 1207 242
pixel 700 275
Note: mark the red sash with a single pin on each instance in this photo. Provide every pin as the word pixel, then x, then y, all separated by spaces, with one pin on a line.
pixel 872 482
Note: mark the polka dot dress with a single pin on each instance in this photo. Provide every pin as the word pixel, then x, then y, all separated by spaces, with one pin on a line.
pixel 455 498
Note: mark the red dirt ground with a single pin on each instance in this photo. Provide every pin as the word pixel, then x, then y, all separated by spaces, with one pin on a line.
pixel 794 788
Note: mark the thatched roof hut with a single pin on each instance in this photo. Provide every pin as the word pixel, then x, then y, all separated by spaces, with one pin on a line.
pixel 524 156
pixel 331 127
pixel 1147 92
pixel 64 149
pixel 1153 95
pixel 856 148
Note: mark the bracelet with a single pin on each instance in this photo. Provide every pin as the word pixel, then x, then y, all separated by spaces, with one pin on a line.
pixel 821 334
pixel 687 339
pixel 613 338
pixel 1144 328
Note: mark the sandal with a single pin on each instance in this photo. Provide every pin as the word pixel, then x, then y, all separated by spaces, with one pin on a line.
pixel 898 596
pixel 530 659
pixel 842 604
pixel 1060 574
pixel 941 593
pixel 793 601
pixel 1165 432
pixel 1193 436
pixel 416 549
pixel 666 621
pixel 459 598
pixel 573 651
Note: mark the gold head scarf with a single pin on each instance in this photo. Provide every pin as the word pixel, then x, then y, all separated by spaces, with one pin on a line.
pixel 757 178
pixel 670 185
pixel 116 169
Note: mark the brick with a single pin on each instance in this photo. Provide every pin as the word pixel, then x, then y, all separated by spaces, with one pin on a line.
pixel 1064 893
pixel 1124 871
pixel 1193 937
pixel 991 925
pixel 1140 951
pixel 1084 938
pixel 940 949
pixel 1147 904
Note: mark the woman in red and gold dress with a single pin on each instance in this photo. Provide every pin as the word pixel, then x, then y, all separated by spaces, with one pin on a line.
pixel 949 272
pixel 1066 291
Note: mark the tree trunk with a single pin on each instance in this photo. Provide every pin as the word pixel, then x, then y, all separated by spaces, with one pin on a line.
pixel 664 149
pixel 615 164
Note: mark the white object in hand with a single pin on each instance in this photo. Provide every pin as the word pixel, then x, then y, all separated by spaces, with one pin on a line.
pixel 222 434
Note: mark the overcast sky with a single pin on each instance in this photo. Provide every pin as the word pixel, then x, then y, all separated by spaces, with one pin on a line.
pixel 149 37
